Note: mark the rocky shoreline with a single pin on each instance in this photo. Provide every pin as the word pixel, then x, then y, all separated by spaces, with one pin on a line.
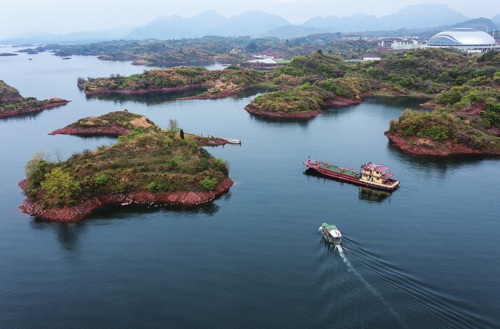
pixel 421 146
pixel 112 130
pixel 34 109
pixel 144 198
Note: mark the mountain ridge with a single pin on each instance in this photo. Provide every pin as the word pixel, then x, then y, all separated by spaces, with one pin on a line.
pixel 258 23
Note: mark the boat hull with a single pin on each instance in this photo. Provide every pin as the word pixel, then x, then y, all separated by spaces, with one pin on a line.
pixel 350 179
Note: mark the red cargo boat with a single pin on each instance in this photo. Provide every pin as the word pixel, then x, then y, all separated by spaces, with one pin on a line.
pixel 371 175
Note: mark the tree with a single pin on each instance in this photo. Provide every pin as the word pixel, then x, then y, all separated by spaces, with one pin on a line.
pixel 182 134
pixel 35 162
pixel 173 126
pixel 59 187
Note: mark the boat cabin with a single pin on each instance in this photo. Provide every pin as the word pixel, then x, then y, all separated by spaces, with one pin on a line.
pixel 375 173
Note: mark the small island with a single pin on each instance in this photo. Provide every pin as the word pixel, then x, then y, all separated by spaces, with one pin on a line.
pixel 13 104
pixel 120 123
pixel 148 166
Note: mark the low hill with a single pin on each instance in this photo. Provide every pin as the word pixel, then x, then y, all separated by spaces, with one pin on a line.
pixel 148 166
pixel 8 93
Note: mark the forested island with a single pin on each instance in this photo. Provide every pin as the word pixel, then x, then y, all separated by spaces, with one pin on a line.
pixel 148 166
pixel 216 84
pixel 13 104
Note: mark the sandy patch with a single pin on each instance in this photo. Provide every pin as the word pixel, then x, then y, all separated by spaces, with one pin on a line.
pixel 140 122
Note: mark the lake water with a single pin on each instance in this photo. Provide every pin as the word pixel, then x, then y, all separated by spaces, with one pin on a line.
pixel 424 256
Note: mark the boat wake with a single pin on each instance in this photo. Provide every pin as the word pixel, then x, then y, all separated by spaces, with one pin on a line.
pixel 351 268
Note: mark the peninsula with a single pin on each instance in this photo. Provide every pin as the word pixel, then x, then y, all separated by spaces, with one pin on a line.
pixel 13 104
pixel 465 117
pixel 148 166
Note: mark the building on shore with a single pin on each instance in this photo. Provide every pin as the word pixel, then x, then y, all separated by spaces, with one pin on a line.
pixel 468 40
pixel 405 44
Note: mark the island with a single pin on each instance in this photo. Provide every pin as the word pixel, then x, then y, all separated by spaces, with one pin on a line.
pixel 120 123
pixel 148 166
pixel 212 84
pixel 13 104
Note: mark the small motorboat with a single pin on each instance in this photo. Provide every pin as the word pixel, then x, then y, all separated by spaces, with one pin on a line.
pixel 331 233
pixel 234 141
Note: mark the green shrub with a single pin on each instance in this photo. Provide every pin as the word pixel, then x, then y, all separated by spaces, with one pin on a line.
pixel 101 179
pixel 209 184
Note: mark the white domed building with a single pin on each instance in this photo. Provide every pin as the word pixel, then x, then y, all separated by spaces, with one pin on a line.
pixel 469 40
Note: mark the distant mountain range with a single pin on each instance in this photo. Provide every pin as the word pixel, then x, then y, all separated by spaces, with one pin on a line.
pixel 257 23
pixel 252 23
pixel 414 17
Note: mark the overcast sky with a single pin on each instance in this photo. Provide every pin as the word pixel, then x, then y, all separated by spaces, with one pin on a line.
pixel 65 16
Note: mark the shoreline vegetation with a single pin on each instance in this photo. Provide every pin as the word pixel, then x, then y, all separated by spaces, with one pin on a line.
pixel 13 104
pixel 148 166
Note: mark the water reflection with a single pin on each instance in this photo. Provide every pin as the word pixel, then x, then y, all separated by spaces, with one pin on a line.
pixel 148 98
pixel 365 193
pixel 304 122
pixel 372 195
pixel 430 164
pixel 398 102
pixel 67 233
pixel 114 212
pixel 208 65
pixel 336 111
pixel 25 117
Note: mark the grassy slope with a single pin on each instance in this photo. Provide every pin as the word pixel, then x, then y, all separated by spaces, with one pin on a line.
pixel 121 118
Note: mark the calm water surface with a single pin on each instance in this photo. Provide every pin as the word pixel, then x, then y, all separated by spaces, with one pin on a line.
pixel 424 256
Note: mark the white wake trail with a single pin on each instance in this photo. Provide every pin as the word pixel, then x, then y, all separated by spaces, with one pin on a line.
pixel 351 268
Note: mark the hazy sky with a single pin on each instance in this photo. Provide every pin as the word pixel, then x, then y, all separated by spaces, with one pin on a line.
pixel 65 16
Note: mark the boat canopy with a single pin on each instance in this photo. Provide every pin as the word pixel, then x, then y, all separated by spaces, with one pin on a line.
pixel 329 227
pixel 381 168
